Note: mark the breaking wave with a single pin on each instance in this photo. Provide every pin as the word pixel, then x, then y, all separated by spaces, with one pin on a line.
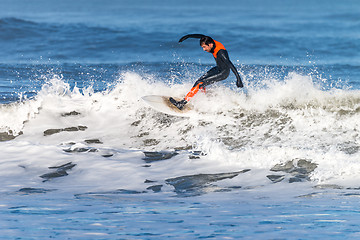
pixel 286 121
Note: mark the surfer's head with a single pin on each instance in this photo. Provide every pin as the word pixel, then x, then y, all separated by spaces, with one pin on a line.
pixel 207 43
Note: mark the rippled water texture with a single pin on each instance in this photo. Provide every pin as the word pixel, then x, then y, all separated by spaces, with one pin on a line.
pixel 82 156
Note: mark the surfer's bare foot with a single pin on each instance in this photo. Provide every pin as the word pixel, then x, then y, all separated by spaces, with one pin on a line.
pixel 179 104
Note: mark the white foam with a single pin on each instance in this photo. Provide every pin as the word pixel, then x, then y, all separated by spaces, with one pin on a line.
pixel 291 119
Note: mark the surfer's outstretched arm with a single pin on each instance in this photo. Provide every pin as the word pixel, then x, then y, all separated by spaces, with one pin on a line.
pixel 191 36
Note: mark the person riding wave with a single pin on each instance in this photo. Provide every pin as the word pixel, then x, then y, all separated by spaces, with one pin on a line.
pixel 215 74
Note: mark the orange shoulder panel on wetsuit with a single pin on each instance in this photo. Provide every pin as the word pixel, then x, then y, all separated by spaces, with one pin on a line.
pixel 218 46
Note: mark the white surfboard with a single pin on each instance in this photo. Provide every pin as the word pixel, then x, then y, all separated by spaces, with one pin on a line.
pixel 162 104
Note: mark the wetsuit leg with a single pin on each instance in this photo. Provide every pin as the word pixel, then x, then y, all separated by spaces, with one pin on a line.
pixel 213 75
pixel 194 90
pixel 212 72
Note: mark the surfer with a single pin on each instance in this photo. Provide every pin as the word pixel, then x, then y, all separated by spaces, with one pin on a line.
pixel 215 74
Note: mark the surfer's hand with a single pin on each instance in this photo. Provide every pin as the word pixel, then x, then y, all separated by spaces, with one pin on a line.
pixel 239 83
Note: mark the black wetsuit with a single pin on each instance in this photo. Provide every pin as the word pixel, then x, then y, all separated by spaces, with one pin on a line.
pixel 222 69
pixel 215 74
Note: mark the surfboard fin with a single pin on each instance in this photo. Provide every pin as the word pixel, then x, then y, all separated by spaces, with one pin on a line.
pixel 179 104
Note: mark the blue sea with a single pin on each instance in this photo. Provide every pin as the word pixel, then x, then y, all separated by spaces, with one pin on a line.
pixel 82 156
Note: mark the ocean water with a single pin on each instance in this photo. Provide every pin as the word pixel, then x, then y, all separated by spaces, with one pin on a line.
pixel 82 156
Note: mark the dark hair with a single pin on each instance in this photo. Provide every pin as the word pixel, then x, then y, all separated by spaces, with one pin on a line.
pixel 206 40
